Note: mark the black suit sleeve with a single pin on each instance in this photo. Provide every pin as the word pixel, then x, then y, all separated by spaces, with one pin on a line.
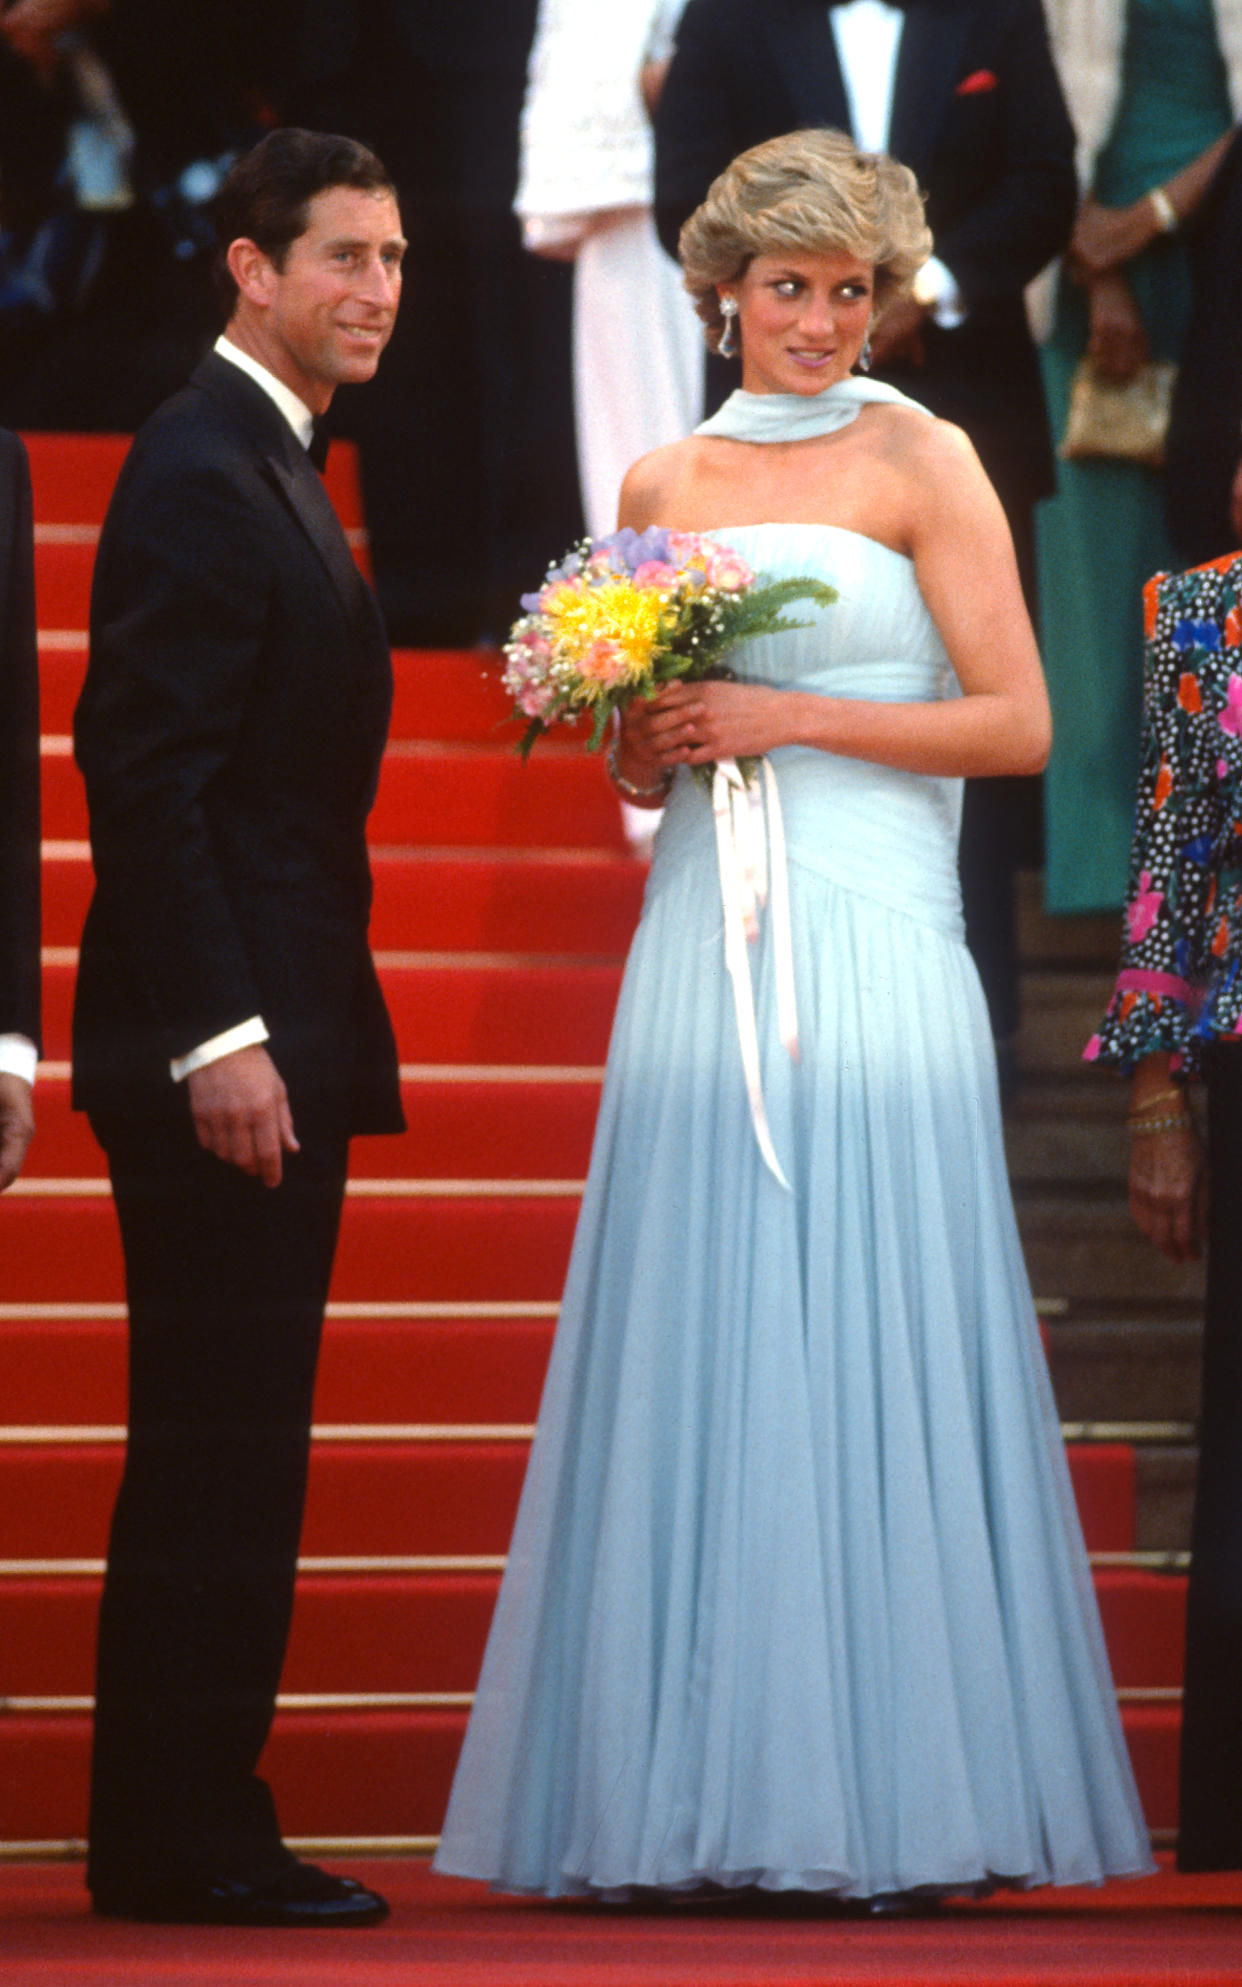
pixel 178 616
pixel 19 751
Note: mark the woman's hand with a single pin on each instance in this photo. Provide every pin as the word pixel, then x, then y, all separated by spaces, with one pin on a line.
pixel 1168 1190
pixel 1106 237
pixel 1117 341
pixel 693 724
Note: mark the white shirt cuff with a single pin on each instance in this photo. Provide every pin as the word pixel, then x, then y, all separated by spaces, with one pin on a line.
pixel 18 1057
pixel 948 310
pixel 244 1036
pixel 555 234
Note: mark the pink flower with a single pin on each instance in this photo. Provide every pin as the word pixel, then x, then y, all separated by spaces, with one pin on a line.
pixel 726 570
pixel 1144 909
pixel 603 662
pixel 655 572
pixel 1231 716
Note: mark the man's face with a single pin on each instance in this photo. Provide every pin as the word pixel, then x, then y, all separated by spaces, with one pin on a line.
pixel 332 307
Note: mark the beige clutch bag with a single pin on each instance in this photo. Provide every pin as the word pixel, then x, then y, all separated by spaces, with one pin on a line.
pixel 1126 419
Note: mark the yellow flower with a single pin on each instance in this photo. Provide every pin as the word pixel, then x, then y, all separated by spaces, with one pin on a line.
pixel 633 621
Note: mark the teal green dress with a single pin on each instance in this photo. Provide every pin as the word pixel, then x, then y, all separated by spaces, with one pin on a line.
pixel 1103 535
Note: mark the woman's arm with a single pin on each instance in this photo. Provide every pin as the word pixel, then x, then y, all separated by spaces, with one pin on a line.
pixel 938 498
pixel 1168 1183
pixel 1106 237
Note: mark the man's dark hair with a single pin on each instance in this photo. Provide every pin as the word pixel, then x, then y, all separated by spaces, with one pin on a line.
pixel 267 193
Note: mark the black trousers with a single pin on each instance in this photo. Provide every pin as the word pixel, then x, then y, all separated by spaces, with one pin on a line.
pixel 1210 1835
pixel 226 1283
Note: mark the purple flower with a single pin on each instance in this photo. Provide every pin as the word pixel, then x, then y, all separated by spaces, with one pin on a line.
pixel 627 550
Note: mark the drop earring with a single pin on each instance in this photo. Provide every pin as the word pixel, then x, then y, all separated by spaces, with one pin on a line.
pixel 728 337
pixel 864 357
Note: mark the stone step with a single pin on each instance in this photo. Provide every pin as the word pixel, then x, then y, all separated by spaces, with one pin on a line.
pixel 1060 1012
pixel 1058 1133
pixel 1165 1497
pixel 1125 1369
pixel 1078 941
pixel 1083 1247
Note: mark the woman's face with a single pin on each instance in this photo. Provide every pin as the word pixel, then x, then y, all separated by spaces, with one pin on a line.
pixel 802 319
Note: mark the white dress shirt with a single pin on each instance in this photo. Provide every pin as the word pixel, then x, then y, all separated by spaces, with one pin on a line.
pixel 247 1033
pixel 868 38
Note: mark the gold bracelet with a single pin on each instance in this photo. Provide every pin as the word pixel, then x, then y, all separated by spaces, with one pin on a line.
pixel 628 788
pixel 1159 1097
pixel 1165 211
pixel 1144 1127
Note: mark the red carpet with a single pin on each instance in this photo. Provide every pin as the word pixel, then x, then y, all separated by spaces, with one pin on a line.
pixel 1168 1931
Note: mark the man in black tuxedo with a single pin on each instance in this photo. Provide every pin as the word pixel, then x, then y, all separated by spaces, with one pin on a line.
pixel 19 812
pixel 965 93
pixel 229 1030
pixel 1203 457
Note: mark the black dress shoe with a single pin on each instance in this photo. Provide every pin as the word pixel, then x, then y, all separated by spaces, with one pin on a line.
pixel 299 1895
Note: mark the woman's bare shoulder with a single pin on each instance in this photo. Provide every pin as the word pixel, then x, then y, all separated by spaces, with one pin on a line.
pixel 653 485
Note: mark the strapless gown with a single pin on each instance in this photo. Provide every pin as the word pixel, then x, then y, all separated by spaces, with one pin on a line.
pixel 797 1595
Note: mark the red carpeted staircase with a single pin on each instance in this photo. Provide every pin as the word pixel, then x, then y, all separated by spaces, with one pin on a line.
pixel 504 901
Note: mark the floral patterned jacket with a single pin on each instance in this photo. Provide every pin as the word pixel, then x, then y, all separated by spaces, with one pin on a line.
pixel 1180 984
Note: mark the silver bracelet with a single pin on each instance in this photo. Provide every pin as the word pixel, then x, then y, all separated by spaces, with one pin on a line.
pixel 1165 211
pixel 628 788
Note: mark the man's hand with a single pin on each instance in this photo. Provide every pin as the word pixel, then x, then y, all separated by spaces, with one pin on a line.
pixel 241 1112
pixel 16 1125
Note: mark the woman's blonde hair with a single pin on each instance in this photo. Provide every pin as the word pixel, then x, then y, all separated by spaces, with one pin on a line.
pixel 813 192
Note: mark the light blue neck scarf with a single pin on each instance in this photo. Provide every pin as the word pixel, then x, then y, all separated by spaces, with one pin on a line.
pixel 795 417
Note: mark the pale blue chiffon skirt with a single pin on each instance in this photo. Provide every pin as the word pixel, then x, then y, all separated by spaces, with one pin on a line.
pixel 797 1595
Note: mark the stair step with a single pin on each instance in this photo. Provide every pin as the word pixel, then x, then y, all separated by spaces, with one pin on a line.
pixel 416 1632
pixel 369 1773
pixel 437 693
pixel 362 1632
pixel 449 900
pixel 394 1249
pixel 402 1497
pixel 1092 942
pixel 354 1773
pixel 482 1128
pixel 72 478
pixel 1164 1498
pixel 456 1012
pixel 365 1498
pixel 448 795
pixel 454 1369
pixel 1125 1369
pixel 1060 1013
pixel 1085 1248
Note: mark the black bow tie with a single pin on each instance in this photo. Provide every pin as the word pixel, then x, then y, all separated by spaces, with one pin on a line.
pixel 317 447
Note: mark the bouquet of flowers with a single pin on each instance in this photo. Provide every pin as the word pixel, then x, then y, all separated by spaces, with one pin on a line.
pixel 620 617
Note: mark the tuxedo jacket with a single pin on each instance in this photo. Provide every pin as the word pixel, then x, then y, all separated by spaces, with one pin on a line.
pixel 978 115
pixel 19 751
pixel 230 732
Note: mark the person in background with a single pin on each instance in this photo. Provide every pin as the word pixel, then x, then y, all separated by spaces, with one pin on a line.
pixel 1176 1015
pixel 1152 87
pixel 585 189
pixel 967 97
pixel 19 813
pixel 1203 460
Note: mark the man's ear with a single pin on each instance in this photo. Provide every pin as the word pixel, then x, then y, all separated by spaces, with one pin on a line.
pixel 251 270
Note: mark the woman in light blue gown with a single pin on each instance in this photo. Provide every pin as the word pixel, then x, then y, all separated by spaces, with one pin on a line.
pixel 797 1597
